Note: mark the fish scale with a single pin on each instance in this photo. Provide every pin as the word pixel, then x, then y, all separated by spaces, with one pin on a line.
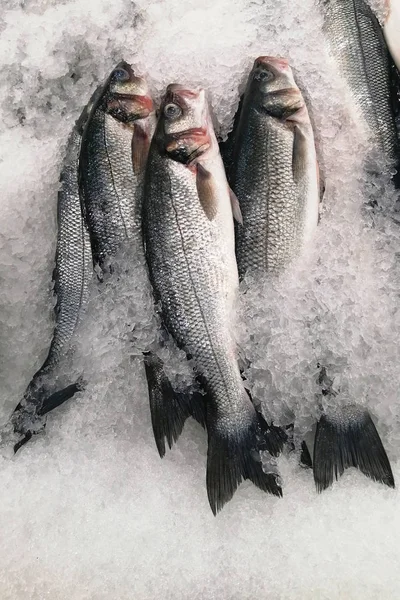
pixel 110 185
pixel 73 259
pixel 357 44
pixel 271 205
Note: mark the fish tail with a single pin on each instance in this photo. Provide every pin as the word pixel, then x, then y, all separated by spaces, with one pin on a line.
pixel 169 409
pixel 28 418
pixel 232 458
pixel 348 438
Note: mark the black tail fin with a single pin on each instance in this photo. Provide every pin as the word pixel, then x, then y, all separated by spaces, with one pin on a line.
pixel 345 439
pixel 169 409
pixel 233 458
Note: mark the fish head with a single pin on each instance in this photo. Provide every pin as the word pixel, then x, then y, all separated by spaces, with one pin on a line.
pixel 127 97
pixel 184 124
pixel 272 89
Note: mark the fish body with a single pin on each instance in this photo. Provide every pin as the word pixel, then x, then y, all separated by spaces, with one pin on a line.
pixel 357 44
pixel 189 241
pixel 114 150
pixel 273 170
pixel 98 208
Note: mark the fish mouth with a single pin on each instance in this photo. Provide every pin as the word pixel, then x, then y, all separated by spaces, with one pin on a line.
pixel 267 70
pixel 181 95
pixel 182 91
pixel 280 64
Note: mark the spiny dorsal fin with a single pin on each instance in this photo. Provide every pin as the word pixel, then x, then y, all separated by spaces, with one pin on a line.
pixel 206 190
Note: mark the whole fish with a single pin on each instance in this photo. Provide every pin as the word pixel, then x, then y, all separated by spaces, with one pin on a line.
pixel 189 243
pixel 347 436
pixel 357 44
pixel 273 170
pixel 116 174
pixel 113 155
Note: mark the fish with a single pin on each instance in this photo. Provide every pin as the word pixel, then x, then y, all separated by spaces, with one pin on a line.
pixel 357 44
pixel 115 144
pixel 274 173
pixel 99 206
pixel 273 170
pixel 189 247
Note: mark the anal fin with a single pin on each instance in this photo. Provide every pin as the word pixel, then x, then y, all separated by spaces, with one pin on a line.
pixel 169 408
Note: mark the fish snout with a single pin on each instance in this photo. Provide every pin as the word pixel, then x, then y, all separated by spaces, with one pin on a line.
pixel 280 64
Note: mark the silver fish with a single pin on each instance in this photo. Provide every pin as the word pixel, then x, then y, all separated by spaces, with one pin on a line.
pixel 358 46
pixel 72 276
pixel 99 207
pixel 114 150
pixel 189 242
pixel 274 171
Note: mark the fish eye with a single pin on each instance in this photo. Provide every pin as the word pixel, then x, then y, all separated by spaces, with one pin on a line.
pixel 263 75
pixel 121 75
pixel 172 111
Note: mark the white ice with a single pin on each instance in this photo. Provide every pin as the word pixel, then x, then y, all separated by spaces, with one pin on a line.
pixel 88 511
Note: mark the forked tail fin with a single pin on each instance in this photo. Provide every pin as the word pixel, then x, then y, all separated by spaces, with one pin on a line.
pixel 232 457
pixel 348 438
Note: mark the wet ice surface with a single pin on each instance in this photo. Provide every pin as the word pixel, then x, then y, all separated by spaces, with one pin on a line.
pixel 89 510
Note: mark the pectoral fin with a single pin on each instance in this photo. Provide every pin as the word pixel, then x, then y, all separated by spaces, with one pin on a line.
pixel 206 190
pixel 237 213
pixel 299 162
pixel 140 149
